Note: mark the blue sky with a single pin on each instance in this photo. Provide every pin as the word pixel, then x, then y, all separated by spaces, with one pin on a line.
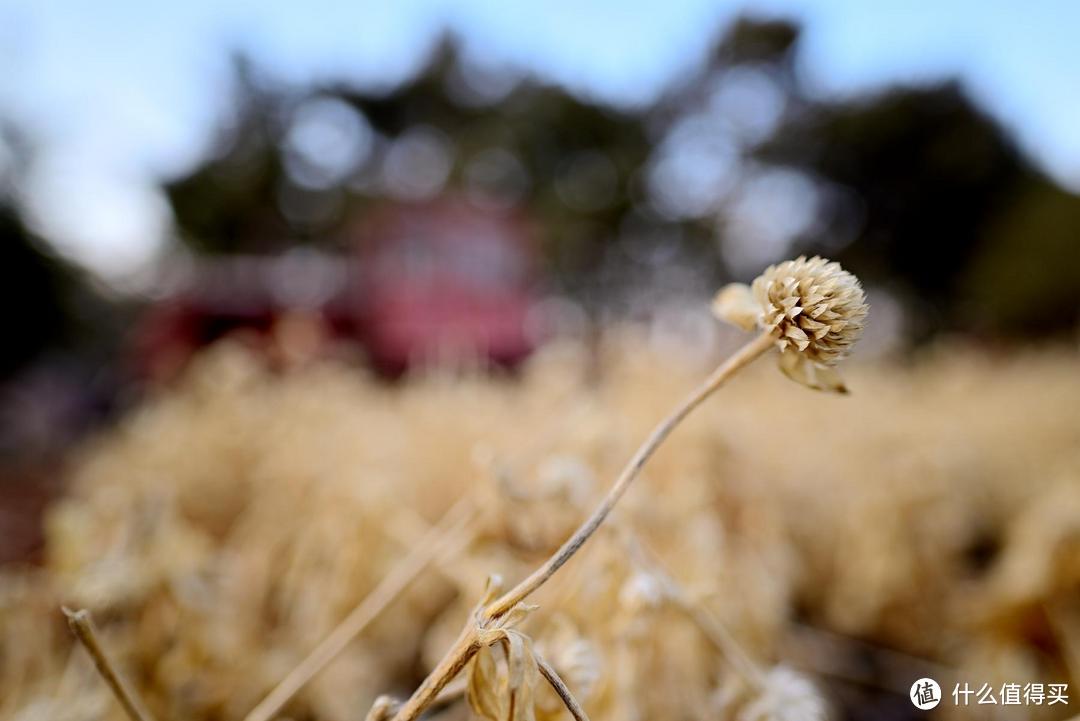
pixel 121 92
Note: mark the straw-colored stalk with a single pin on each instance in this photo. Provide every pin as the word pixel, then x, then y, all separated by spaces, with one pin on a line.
pixel 82 625
pixel 712 628
pixel 572 705
pixel 434 545
pixel 468 642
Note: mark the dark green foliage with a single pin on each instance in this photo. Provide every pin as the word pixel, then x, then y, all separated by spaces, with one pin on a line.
pixel 923 193
pixel 31 293
pixel 944 208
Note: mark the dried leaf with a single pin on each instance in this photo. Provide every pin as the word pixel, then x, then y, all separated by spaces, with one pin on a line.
pixel 735 304
pixel 504 677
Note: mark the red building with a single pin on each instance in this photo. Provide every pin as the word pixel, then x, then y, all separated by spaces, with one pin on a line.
pixel 443 280
pixel 440 281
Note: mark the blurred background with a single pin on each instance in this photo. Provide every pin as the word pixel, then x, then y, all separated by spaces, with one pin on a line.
pixel 425 179
pixel 400 185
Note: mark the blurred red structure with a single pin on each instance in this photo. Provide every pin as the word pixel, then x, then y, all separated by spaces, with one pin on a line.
pixel 440 281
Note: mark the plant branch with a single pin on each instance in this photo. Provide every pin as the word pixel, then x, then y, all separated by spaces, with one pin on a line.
pixel 467 644
pixel 381 709
pixel 706 621
pixel 433 545
pixel 386 706
pixel 561 688
pixel 82 625
pixel 740 359
pixel 450 666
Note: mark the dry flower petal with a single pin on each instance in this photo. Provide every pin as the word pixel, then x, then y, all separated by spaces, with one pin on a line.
pixel 813 308
pixel 735 304
pixel 504 677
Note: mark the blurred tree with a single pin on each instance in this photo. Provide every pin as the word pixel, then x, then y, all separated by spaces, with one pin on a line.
pixel 1026 280
pixel 755 40
pixel 228 204
pixel 61 337
pixel 570 161
pixel 915 187
pixel 54 308
pixel 50 304
pixel 33 289
pixel 925 193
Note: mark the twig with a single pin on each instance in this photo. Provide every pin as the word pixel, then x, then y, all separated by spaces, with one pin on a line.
pixel 386 706
pixel 459 655
pixel 454 691
pixel 82 625
pixel 719 636
pixel 713 629
pixel 467 644
pixel 518 593
pixel 381 709
pixel 561 688
pixel 435 543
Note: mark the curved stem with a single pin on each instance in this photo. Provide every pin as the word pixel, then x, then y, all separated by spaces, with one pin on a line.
pixel 740 359
pixel 467 644
pixel 714 630
pixel 82 625
pixel 561 689
pixel 450 666
pixel 386 706
pixel 430 548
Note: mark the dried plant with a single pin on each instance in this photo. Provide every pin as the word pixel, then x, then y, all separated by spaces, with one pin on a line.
pixel 832 300
pixel 435 544
pixel 226 527
pixel 82 625
pixel 812 308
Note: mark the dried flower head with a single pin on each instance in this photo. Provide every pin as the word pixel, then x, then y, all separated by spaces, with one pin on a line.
pixel 813 308
pixel 786 696
pixel 777 694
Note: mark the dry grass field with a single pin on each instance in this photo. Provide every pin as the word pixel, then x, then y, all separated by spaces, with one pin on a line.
pixel 785 552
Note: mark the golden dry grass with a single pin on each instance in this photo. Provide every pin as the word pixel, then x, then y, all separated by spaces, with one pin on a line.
pixel 928 523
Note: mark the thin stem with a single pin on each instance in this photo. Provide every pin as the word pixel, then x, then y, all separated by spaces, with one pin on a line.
pixel 451 693
pixel 433 545
pixel 82 625
pixel 467 644
pixel 456 658
pixel 561 688
pixel 720 637
pixel 706 621
pixel 381 709
pixel 386 706
pixel 518 593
